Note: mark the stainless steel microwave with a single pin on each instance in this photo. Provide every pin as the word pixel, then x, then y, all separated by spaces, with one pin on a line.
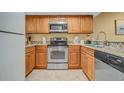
pixel 58 26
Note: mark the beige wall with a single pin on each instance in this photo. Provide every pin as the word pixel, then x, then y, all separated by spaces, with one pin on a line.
pixel 106 22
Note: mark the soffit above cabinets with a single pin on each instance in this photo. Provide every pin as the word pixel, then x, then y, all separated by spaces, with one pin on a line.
pixel 63 13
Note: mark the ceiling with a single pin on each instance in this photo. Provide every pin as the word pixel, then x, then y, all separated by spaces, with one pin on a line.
pixel 63 13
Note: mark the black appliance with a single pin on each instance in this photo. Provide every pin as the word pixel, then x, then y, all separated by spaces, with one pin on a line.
pixel 116 62
pixel 112 60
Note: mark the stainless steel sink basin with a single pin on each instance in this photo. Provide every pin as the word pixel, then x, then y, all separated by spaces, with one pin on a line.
pixel 99 46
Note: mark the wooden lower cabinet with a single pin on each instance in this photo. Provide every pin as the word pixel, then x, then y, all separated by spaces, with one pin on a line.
pixel 30 60
pixel 74 60
pixel 33 60
pixel 83 62
pixel 41 57
pixel 78 57
pixel 90 68
pixel 36 57
pixel 41 60
pixel 87 62
pixel 74 57
pixel 27 63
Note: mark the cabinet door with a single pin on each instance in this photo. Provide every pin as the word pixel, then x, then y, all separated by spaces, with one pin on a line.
pixel 74 24
pixel 86 24
pixel 41 60
pixel 74 60
pixel 90 72
pixel 30 24
pixel 84 62
pixel 42 24
pixel 32 60
pixel 28 66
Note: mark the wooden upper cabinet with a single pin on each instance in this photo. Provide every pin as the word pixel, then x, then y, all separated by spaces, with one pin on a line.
pixel 42 24
pixel 30 24
pixel 74 24
pixel 86 24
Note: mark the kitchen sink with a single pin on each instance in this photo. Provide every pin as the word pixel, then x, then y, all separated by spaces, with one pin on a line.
pixel 99 46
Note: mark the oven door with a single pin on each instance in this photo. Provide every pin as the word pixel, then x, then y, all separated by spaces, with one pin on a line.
pixel 58 54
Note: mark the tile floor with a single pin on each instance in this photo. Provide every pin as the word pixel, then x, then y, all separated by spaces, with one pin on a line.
pixel 56 75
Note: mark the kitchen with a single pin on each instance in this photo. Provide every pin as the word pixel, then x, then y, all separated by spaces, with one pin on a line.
pixel 58 53
pixel 83 44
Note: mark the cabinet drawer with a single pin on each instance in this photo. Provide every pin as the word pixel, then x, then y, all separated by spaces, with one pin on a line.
pixel 87 50
pixel 41 48
pixel 30 49
pixel 74 48
pixel 90 51
pixel 83 49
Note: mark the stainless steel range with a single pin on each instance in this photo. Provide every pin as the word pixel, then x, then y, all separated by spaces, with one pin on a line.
pixel 58 53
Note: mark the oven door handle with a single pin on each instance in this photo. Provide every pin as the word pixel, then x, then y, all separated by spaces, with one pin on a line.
pixel 58 48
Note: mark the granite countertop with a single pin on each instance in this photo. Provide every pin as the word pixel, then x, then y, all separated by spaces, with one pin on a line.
pixel 120 54
pixel 74 44
pixel 31 45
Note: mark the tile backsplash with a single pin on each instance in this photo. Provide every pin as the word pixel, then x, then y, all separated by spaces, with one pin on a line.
pixel 37 39
pixel 70 37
